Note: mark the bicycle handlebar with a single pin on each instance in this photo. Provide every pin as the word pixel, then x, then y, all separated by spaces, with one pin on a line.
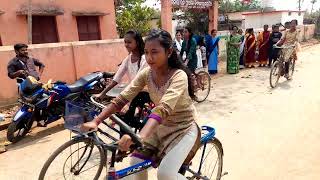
pixel 127 129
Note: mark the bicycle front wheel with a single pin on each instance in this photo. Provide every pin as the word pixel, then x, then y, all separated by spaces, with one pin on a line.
pixel 208 161
pixel 203 85
pixel 78 158
pixel 275 74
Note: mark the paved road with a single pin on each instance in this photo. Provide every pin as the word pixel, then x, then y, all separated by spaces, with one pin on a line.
pixel 266 133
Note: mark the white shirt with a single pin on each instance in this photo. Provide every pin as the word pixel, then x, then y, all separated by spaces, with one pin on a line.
pixel 179 45
pixel 129 68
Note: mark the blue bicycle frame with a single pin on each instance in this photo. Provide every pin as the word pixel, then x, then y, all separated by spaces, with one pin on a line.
pixel 148 163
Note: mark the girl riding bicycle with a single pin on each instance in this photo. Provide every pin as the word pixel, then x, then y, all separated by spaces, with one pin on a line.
pixel 131 65
pixel 290 38
pixel 171 135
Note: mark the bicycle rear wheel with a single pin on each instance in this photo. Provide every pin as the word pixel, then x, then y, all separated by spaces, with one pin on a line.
pixel 203 86
pixel 208 161
pixel 275 74
pixel 78 158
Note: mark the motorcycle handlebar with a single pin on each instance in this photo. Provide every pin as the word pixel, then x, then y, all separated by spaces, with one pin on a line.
pixel 108 74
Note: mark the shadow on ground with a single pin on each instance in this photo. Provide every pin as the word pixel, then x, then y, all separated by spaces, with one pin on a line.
pixel 39 136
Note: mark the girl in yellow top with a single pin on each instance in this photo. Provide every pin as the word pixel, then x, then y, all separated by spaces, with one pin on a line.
pixel 171 132
pixel 290 38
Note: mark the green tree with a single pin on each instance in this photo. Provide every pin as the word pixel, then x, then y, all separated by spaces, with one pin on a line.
pixel 130 14
pixel 227 6
pixel 312 2
pixel 198 21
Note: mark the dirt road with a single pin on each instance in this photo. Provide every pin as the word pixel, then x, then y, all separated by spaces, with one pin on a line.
pixel 266 133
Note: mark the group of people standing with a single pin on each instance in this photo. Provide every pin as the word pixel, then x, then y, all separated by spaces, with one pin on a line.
pixel 197 51
pixel 248 50
pixel 190 49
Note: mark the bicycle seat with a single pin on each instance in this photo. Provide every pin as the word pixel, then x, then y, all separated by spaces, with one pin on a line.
pixel 79 84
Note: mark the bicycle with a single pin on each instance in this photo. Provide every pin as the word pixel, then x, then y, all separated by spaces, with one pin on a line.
pixel 202 85
pixel 94 154
pixel 278 68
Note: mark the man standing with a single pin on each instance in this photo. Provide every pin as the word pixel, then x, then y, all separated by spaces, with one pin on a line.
pixel 22 65
pixel 263 44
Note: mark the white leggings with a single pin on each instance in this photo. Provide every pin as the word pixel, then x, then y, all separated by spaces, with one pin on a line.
pixel 172 161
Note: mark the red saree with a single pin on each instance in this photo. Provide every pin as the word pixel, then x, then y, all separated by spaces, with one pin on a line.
pixel 264 44
pixel 250 51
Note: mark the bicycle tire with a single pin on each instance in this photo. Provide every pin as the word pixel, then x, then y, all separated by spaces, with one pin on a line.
pixel 195 167
pixel 64 147
pixel 276 65
pixel 206 75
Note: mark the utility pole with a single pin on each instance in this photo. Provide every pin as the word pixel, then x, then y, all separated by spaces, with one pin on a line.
pixel 29 21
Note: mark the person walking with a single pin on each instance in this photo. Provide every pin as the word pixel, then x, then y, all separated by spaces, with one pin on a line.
pixel 189 46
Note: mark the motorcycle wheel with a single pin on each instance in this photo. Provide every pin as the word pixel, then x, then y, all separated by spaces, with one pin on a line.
pixel 17 130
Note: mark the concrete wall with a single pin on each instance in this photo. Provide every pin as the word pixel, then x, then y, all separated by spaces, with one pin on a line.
pixel 236 16
pixel 306 32
pixel 294 15
pixel 258 20
pixel 64 61
pixel 13 28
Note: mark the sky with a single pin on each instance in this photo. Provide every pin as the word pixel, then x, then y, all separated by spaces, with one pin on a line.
pixel 278 4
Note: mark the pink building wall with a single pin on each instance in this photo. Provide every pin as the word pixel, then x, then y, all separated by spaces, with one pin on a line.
pixel 64 61
pixel 13 27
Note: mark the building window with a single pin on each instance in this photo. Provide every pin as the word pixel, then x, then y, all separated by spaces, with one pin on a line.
pixel 88 28
pixel 289 13
pixel 44 29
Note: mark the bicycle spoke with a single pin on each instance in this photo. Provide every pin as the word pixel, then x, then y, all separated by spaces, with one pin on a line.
pixel 89 168
pixel 210 162
pixel 77 159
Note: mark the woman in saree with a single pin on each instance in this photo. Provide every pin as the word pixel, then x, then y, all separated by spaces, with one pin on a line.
pixel 213 57
pixel 250 51
pixel 233 51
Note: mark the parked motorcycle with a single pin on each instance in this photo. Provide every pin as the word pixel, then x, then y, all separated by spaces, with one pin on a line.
pixel 46 102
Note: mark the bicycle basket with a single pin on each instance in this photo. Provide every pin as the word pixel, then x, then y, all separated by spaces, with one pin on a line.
pixel 77 113
pixel 287 53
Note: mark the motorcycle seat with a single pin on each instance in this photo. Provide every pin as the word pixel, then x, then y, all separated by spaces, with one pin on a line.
pixel 115 92
pixel 83 81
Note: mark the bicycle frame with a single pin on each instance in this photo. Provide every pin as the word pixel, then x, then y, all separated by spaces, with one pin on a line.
pixel 148 163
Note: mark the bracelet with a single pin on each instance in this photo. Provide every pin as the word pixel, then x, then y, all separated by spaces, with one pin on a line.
pixel 156 117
